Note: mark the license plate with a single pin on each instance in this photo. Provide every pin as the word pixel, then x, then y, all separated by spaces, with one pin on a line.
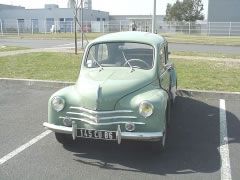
pixel 96 134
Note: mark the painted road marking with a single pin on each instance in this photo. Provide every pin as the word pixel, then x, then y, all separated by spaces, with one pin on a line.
pixel 224 149
pixel 68 44
pixel 23 147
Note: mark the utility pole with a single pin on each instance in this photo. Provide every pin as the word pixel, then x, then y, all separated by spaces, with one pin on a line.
pixel 75 29
pixel 82 22
pixel 154 17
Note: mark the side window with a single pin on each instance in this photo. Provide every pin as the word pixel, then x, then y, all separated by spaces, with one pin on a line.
pixel 102 52
pixel 162 55
pixel 166 54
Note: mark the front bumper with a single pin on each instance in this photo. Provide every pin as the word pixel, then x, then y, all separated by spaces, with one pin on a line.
pixel 138 136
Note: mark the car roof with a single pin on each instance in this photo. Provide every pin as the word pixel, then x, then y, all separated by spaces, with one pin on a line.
pixel 131 36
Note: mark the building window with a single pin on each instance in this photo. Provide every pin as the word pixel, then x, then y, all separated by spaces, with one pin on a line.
pixel 35 25
pixel 21 25
pixel 103 19
pixel 98 19
pixel 68 19
pixel 49 24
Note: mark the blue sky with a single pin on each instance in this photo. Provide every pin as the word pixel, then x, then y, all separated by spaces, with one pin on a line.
pixel 116 7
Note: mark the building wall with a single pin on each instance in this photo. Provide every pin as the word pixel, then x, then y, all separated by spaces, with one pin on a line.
pixel 56 13
pixel 4 6
pixel 224 11
pixel 43 19
pixel 140 22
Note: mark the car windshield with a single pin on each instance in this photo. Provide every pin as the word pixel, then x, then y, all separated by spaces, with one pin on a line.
pixel 120 54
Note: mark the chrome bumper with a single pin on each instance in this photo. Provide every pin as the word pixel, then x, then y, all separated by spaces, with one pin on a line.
pixel 138 136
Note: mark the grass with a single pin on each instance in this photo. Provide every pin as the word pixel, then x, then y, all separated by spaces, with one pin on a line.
pixel 194 74
pixel 173 38
pixel 11 48
pixel 208 75
pixel 206 54
pixel 203 39
pixel 44 66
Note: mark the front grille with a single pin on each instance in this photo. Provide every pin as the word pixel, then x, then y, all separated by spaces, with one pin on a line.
pixel 101 117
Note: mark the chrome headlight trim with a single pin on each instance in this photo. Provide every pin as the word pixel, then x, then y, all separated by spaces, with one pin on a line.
pixel 58 103
pixel 146 109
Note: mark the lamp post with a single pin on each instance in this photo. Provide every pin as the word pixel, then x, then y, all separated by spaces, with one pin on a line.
pixel 154 17
pixel 82 24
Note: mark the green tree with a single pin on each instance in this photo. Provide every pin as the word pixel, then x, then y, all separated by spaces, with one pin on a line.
pixel 186 10
pixel 168 11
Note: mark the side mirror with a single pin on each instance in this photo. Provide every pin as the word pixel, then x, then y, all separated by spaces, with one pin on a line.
pixel 90 63
pixel 168 66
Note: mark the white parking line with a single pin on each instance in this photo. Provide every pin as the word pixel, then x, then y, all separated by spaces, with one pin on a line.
pixel 224 149
pixel 23 147
pixel 65 44
pixel 68 44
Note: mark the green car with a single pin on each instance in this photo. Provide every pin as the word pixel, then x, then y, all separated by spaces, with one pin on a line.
pixel 125 91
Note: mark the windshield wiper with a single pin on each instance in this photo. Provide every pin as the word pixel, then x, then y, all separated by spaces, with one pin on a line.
pixel 127 62
pixel 96 62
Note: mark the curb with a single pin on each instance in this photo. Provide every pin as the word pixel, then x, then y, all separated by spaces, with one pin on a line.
pixel 35 83
pixel 208 94
pixel 61 84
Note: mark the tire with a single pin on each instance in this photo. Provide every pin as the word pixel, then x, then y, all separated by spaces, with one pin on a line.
pixel 160 146
pixel 169 114
pixel 65 139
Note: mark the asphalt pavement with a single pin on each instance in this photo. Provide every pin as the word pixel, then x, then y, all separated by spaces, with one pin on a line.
pixel 31 43
pixel 193 147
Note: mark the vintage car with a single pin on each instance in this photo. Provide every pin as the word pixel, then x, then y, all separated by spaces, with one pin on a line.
pixel 125 91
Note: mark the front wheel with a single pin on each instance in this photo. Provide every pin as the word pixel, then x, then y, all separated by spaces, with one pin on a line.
pixel 161 145
pixel 65 139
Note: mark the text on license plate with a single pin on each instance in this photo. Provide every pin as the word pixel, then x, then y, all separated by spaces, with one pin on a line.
pixel 95 134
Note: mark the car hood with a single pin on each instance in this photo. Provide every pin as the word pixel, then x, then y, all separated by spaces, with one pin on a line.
pixel 101 90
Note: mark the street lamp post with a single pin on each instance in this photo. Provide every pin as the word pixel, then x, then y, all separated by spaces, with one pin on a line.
pixel 82 24
pixel 154 17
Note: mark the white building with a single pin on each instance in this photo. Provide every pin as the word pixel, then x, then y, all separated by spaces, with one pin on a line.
pixel 14 18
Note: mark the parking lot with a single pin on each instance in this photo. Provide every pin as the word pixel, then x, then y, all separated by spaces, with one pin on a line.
pixel 197 147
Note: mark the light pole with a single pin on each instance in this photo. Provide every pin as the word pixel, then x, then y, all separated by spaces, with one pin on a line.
pixel 154 17
pixel 82 24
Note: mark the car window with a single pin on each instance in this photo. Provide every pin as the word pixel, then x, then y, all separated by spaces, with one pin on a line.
pixel 102 52
pixel 120 54
pixel 166 54
pixel 162 55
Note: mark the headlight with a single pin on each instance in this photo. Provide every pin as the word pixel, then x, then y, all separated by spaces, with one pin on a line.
pixel 146 109
pixel 58 103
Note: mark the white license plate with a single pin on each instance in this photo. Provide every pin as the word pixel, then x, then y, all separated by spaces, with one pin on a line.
pixel 96 134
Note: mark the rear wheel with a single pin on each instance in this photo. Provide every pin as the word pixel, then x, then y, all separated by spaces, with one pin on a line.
pixel 64 138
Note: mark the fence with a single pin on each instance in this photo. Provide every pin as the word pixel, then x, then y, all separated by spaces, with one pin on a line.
pixel 35 26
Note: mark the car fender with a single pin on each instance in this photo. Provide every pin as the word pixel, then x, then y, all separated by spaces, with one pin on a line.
pixel 159 99
pixel 69 94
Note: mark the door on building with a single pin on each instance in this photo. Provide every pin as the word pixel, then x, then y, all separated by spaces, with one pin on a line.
pixel 21 25
pixel 49 24
pixel 34 26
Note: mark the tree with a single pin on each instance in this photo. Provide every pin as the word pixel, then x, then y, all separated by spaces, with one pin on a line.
pixel 186 10
pixel 168 13
pixel 78 4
